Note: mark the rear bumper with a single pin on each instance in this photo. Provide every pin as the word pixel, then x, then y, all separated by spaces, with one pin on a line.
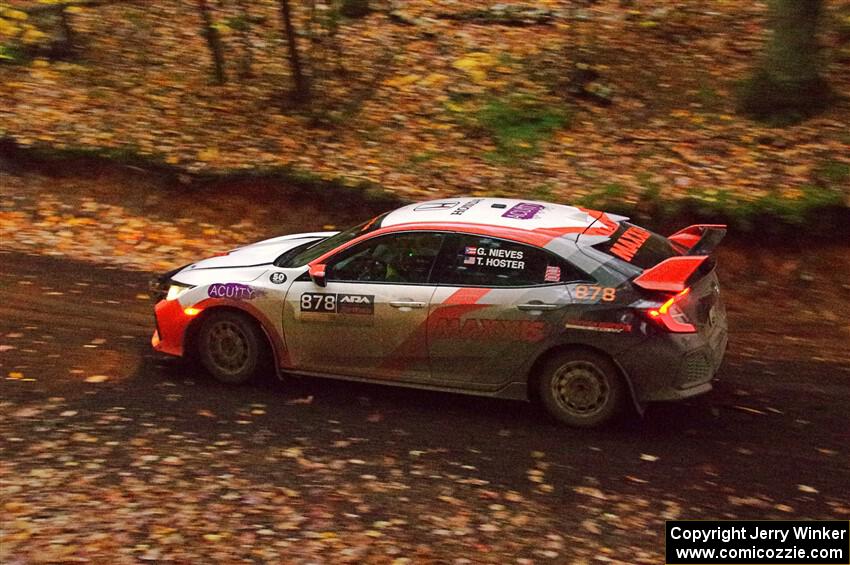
pixel 675 366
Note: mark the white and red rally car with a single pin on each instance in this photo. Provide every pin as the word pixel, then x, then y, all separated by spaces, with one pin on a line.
pixel 498 297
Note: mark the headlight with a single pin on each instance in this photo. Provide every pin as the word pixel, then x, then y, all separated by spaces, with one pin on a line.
pixel 175 290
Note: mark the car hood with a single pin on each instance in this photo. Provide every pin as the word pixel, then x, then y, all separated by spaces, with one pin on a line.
pixel 260 253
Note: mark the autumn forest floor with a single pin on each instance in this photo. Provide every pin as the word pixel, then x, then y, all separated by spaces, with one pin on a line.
pixel 110 453
pixel 422 99
pixel 114 454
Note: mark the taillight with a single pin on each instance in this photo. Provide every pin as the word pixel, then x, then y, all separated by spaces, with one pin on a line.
pixel 670 315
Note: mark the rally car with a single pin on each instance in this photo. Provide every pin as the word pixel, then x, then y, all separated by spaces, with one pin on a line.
pixel 578 309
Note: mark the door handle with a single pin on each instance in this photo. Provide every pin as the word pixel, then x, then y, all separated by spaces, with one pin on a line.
pixel 540 306
pixel 406 304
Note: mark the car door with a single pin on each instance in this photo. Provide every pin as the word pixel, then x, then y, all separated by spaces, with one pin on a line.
pixel 369 319
pixel 495 303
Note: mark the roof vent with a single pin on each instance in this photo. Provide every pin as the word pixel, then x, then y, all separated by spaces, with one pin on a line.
pixel 498 206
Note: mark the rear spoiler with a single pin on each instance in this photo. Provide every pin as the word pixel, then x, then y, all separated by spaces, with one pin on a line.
pixel 673 274
pixel 699 239
pixel 670 275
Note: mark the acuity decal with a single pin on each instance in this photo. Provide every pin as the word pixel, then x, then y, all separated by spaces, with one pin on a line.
pixel 524 211
pixel 235 291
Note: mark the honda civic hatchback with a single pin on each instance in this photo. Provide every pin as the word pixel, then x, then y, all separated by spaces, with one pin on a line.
pixel 577 309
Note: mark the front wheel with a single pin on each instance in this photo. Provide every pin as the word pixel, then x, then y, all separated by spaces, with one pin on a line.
pixel 231 347
pixel 581 389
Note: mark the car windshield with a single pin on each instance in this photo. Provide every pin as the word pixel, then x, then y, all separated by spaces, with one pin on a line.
pixel 303 254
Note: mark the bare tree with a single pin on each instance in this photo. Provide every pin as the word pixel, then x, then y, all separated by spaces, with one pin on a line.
pixel 210 33
pixel 301 93
pixel 244 29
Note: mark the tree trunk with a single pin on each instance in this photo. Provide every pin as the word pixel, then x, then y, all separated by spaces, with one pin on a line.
pixel 788 82
pixel 210 33
pixel 301 92
pixel 245 69
pixel 67 31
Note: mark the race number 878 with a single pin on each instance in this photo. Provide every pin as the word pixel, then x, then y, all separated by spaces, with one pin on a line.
pixel 318 302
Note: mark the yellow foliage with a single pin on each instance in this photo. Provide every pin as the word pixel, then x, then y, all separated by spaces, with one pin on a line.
pixel 15 14
pixel 208 154
pixel 32 35
pixel 8 28
pixel 474 60
pixel 476 65
pixel 402 81
pixel 434 79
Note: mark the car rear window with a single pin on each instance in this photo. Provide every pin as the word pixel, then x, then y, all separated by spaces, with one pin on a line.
pixel 638 246
pixel 473 260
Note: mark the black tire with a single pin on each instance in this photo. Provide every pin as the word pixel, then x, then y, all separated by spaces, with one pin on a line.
pixel 582 389
pixel 231 347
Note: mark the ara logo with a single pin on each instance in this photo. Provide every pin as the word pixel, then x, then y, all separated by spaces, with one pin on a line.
pixel 356 304
pixel 354 299
pixel 435 206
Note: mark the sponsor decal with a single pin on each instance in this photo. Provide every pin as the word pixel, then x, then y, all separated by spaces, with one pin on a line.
pixel 553 274
pixel 355 304
pixel 595 293
pixel 361 304
pixel 464 207
pixel 530 331
pixel 524 211
pixel 435 206
pixel 611 327
pixel 629 243
pixel 277 278
pixel 234 291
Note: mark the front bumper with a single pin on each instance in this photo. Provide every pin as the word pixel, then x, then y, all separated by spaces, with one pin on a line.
pixel 171 325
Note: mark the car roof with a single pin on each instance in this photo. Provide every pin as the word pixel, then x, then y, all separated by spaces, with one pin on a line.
pixel 494 212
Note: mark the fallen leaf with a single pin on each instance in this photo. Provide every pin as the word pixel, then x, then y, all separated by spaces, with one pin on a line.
pixel 97 379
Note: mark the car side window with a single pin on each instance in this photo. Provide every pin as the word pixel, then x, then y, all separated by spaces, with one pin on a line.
pixel 471 260
pixel 404 258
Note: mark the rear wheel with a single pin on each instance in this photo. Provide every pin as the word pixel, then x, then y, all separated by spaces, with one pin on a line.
pixel 231 347
pixel 581 389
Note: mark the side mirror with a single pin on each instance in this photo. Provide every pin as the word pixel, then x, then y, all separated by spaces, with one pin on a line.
pixel 317 273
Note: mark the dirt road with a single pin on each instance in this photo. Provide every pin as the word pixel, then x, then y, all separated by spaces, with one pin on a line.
pixel 113 453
